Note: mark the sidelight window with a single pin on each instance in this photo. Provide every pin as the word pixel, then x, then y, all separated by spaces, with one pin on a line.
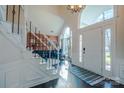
pixel 108 41
pixel 80 48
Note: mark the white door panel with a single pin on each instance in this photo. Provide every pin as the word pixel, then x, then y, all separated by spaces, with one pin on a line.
pixel 92 43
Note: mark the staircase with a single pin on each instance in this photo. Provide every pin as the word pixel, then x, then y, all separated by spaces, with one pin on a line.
pixel 20 67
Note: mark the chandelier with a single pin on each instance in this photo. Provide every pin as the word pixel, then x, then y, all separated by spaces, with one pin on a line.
pixel 75 8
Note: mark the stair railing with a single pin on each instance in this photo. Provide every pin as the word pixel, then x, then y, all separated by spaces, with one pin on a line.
pixel 49 65
pixel 57 48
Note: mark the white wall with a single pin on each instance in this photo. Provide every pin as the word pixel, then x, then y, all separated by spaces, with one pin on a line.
pixel 45 18
pixel 119 65
pixel 8 52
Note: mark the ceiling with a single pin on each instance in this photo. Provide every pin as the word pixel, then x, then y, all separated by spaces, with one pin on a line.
pixel 45 18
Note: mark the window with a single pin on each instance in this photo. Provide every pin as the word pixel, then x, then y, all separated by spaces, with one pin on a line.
pixel 89 15
pixel 105 15
pixel 80 48
pixel 108 39
pixel 67 42
pixel 108 14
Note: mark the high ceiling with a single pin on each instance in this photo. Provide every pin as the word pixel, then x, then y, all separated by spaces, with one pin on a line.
pixel 50 19
pixel 45 18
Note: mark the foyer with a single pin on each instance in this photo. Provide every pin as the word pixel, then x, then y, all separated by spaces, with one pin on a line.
pixel 69 80
pixel 49 46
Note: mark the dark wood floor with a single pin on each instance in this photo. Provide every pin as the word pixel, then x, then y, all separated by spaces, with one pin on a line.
pixel 71 82
pixel 68 80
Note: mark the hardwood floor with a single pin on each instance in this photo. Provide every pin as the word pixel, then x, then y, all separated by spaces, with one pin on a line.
pixel 71 82
pixel 68 80
pixel 109 84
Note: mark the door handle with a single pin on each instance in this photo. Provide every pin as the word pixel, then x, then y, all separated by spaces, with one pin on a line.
pixel 84 50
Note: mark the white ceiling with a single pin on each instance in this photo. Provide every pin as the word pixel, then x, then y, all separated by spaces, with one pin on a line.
pixel 45 18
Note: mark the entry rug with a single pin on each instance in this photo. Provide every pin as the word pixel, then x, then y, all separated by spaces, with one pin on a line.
pixel 87 76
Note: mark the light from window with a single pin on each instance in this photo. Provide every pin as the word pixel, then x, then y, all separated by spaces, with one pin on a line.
pixel 89 16
pixel 80 48
pixel 108 38
pixel 108 14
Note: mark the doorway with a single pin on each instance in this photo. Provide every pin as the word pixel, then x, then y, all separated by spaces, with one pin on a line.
pixel 66 43
pixel 96 50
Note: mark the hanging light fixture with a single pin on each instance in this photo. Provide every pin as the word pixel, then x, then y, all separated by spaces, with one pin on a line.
pixel 75 8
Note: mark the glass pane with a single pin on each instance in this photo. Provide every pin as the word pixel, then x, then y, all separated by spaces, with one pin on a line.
pixel 80 48
pixel 66 42
pixel 89 16
pixel 100 18
pixel 108 37
pixel 108 14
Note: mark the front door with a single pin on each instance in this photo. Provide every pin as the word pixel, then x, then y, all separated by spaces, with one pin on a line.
pixel 92 50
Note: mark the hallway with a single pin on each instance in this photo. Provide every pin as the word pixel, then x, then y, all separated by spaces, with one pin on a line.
pixel 66 80
pixel 69 80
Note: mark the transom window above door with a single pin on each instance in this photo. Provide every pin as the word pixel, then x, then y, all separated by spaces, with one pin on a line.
pixel 95 13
